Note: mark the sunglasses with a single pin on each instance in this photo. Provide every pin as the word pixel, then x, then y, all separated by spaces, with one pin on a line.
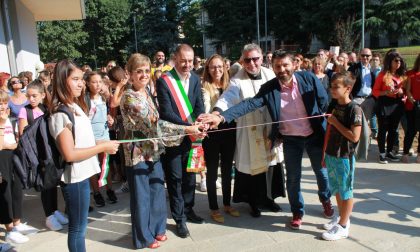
pixel 16 82
pixel 365 55
pixel 248 60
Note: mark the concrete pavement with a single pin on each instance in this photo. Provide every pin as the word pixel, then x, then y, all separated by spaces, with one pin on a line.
pixel 386 217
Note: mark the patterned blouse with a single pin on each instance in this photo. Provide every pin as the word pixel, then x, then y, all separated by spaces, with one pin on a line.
pixel 141 120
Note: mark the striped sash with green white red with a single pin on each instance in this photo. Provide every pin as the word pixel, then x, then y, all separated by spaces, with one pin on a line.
pixel 196 156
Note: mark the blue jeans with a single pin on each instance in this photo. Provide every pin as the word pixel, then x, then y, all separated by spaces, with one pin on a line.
pixel 293 154
pixel 374 124
pixel 147 202
pixel 77 197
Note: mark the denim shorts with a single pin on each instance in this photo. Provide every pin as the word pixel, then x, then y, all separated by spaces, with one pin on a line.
pixel 340 175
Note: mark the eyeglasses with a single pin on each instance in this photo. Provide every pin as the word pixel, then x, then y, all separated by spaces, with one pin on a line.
pixel 16 82
pixel 365 55
pixel 248 60
pixel 139 71
pixel 215 67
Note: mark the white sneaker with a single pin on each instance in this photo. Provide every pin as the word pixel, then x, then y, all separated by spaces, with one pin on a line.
pixel 334 222
pixel 203 186
pixel 25 229
pixel 16 237
pixel 331 223
pixel 337 232
pixel 52 223
pixel 218 185
pixel 61 217
pixel 5 247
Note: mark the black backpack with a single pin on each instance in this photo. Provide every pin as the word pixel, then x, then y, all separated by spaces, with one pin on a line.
pixel 37 160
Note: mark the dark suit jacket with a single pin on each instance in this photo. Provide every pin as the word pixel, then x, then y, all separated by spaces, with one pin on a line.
pixel 356 69
pixel 168 110
pixel 313 95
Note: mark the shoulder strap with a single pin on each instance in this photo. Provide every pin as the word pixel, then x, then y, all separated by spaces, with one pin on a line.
pixel 29 114
pixel 66 110
pixel 88 102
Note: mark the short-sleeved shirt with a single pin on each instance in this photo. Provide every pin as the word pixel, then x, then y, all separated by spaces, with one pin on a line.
pixel 338 145
pixel 15 108
pixel 9 135
pixel 24 115
pixel 84 138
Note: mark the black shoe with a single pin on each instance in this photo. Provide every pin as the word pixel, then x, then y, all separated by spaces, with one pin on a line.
pixel 182 230
pixel 99 200
pixel 382 160
pixel 111 196
pixel 90 209
pixel 255 212
pixel 272 206
pixel 192 217
pixel 391 157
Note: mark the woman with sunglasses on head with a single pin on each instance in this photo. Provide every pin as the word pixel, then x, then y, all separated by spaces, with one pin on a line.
pixel 144 169
pixel 18 99
pixel 388 90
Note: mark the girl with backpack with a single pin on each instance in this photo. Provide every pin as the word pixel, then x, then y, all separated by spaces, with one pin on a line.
pixel 99 121
pixel 78 149
pixel 35 92
pixel 11 195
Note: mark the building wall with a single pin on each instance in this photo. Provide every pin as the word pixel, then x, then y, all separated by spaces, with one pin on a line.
pixel 26 42
pixel 4 58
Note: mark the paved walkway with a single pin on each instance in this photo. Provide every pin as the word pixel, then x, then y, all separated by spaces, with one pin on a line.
pixel 386 217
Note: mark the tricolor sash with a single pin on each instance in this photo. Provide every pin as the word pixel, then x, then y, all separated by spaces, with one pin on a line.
pixel 196 161
pixel 104 170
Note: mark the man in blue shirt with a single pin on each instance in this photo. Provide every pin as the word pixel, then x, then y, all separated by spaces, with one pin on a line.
pixel 365 78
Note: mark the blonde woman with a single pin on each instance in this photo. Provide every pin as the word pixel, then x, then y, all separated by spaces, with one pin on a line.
pixel 219 146
pixel 144 169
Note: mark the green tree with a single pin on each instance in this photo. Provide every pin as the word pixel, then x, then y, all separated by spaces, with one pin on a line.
pixel 107 23
pixel 159 24
pixel 399 18
pixel 231 23
pixel 192 29
pixel 60 40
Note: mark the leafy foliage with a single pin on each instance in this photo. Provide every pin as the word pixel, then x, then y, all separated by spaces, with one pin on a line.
pixel 61 39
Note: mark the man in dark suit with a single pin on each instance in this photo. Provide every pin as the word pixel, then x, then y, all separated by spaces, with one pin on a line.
pixel 365 78
pixel 180 183
pixel 291 95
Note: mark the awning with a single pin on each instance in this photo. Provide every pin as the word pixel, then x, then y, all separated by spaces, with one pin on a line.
pixel 48 10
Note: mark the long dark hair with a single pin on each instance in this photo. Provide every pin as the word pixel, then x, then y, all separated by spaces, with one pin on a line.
pixel 61 92
pixel 389 57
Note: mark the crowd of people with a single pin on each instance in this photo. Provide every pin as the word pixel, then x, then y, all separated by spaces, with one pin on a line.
pixel 176 103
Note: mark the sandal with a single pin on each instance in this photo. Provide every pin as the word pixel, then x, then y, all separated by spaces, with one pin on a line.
pixel 154 245
pixel 232 211
pixel 217 217
pixel 161 237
